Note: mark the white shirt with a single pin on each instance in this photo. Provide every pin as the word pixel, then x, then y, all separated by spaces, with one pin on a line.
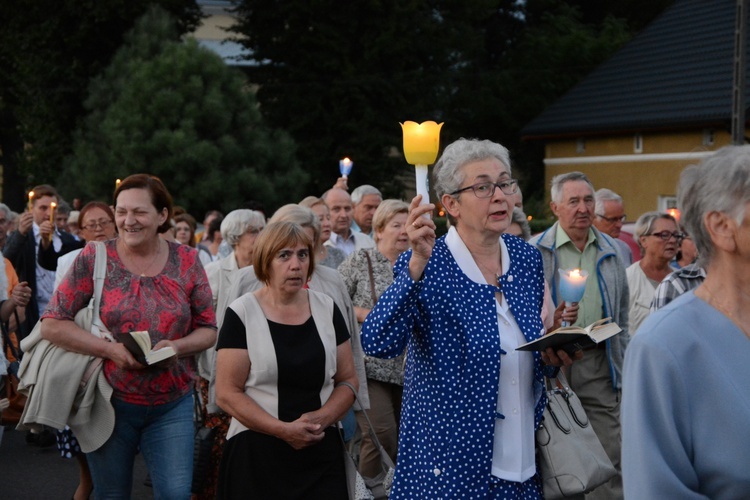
pixel 513 445
pixel 45 279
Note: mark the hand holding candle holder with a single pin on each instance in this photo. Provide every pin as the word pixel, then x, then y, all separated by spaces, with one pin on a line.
pixel 572 286
pixel 421 144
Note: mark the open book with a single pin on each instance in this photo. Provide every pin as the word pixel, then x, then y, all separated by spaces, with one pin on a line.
pixel 139 345
pixel 574 338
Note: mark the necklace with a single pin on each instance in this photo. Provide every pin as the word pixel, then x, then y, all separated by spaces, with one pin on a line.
pixel 712 301
pixel 492 272
pixel 143 271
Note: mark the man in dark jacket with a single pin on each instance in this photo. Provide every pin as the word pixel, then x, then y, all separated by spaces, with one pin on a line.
pixel 34 248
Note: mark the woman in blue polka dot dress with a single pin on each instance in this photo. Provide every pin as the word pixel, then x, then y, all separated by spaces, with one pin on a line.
pixel 461 305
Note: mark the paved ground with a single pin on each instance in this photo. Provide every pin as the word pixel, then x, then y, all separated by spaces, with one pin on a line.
pixel 33 473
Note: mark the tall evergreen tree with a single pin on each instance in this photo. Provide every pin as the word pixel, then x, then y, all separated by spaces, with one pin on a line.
pixel 49 50
pixel 173 109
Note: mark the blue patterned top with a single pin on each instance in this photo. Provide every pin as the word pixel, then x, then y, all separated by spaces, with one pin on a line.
pixel 449 324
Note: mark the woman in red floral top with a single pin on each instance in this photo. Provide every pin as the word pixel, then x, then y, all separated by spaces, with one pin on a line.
pixel 151 285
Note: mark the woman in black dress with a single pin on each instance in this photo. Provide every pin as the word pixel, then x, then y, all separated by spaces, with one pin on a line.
pixel 281 352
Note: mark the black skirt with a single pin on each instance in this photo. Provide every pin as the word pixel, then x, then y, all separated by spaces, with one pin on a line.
pixel 259 466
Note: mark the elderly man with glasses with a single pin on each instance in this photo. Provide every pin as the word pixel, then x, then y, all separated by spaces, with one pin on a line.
pixel 609 216
pixel 573 243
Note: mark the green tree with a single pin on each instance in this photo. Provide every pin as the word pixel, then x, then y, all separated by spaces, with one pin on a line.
pixel 49 50
pixel 173 109
pixel 339 76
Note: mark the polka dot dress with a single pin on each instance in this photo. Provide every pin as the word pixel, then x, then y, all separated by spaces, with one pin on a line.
pixel 67 443
pixel 453 363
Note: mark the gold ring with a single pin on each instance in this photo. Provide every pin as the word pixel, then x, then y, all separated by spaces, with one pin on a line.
pixel 415 224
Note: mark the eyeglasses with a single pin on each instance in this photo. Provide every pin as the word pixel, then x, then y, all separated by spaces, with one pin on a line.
pixel 665 235
pixel 487 189
pixel 612 220
pixel 104 224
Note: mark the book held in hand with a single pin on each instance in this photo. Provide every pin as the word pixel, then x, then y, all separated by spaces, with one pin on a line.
pixel 139 345
pixel 574 338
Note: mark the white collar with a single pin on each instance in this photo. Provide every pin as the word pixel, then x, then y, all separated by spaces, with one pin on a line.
pixel 466 261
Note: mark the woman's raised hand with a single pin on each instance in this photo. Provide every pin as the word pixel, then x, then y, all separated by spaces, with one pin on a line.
pixel 421 231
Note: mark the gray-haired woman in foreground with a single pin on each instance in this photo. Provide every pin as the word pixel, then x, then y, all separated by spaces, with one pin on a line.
pixel 686 401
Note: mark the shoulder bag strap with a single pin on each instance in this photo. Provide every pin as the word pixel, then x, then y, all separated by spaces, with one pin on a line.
pixel 100 272
pixel 372 281
pixel 385 459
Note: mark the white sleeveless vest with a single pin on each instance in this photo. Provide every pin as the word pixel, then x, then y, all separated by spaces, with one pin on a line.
pixel 261 384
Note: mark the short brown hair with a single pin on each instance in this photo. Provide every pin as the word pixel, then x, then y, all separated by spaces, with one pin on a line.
pixel 190 220
pixel 160 197
pixel 95 204
pixel 274 237
pixel 43 190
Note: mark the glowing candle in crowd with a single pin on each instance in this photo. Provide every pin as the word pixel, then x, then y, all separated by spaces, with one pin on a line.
pixel 117 183
pixel 421 144
pixel 31 200
pixel 572 286
pixel 52 207
pixel 345 167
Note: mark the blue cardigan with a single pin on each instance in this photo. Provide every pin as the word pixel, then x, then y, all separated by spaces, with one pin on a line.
pixel 453 366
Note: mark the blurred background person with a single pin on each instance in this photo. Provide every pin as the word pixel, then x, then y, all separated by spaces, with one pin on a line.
pixel 686 252
pixel 73 223
pixel 658 237
pixel 342 237
pixel 240 229
pixel 184 226
pixel 5 223
pixel 519 225
pixel 281 353
pixel 365 200
pixel 200 233
pixel 209 247
pixel 609 216
pixel 97 223
pixel 324 255
pixel 686 401
pixel 33 250
pixel 151 285
pixel 367 273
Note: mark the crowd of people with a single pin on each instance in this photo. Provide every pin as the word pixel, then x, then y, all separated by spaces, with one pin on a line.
pixel 272 319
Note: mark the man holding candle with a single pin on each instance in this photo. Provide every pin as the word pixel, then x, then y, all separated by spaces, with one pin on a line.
pixel 573 243
pixel 342 237
pixel 34 248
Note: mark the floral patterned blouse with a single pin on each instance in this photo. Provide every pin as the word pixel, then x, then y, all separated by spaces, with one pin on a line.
pixel 169 305
pixel 355 273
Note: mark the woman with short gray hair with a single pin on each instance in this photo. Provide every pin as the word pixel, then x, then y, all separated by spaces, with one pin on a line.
pixel 367 273
pixel 659 239
pixel 687 369
pixel 240 229
pixel 460 304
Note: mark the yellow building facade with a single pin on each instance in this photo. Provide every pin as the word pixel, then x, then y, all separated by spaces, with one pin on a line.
pixel 642 168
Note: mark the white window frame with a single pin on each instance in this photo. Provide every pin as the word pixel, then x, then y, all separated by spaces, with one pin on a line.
pixel 638 143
